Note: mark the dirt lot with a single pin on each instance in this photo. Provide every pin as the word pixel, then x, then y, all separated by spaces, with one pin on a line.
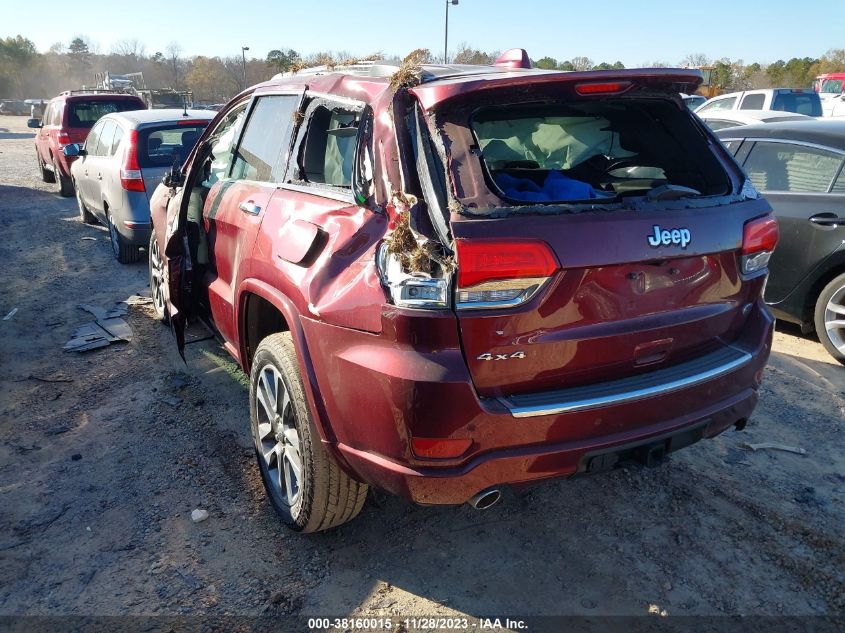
pixel 104 455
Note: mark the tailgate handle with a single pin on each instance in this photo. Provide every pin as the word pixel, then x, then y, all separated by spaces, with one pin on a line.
pixel 250 207
pixel 827 219
pixel 652 352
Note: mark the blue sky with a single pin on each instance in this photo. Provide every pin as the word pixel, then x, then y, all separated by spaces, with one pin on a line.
pixel 632 31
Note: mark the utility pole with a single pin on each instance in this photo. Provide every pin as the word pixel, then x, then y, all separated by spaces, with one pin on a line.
pixel 244 49
pixel 446 37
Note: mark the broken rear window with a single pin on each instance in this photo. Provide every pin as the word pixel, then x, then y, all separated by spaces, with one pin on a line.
pixel 593 151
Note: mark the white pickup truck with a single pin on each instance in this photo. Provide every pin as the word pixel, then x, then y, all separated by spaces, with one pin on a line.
pixel 801 101
pixel 831 89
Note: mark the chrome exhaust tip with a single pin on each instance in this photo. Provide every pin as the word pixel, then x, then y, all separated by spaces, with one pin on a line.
pixel 486 499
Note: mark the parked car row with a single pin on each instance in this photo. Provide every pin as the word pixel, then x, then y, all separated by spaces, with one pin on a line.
pixel 111 151
pixel 120 164
pixel 478 280
pixel 11 107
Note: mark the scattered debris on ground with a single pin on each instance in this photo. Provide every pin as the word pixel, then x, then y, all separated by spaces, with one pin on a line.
pixel 774 447
pixel 108 327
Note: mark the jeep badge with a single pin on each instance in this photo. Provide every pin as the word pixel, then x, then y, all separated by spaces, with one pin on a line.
pixel 665 237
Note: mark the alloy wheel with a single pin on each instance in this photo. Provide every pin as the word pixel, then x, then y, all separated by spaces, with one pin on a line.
pixel 278 438
pixel 834 319
pixel 156 276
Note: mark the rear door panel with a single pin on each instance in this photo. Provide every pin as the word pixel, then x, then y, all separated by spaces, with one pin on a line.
pixel 231 232
pixel 803 244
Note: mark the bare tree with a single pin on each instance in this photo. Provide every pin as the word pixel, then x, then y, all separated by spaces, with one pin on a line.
pixel 174 50
pixel 129 48
pixel 695 60
pixel 581 63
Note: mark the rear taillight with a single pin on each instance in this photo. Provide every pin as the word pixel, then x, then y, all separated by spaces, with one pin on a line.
pixel 63 138
pixel 501 273
pixel 130 172
pixel 759 238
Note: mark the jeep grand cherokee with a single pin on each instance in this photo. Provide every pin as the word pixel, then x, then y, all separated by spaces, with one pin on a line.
pixel 445 281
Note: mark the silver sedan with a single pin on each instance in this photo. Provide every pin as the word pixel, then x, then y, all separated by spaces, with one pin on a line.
pixel 122 161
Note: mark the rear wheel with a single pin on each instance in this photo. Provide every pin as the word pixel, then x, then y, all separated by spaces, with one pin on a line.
pixel 65 183
pixel 84 214
pixel 157 285
pixel 830 318
pixel 46 174
pixel 124 252
pixel 306 486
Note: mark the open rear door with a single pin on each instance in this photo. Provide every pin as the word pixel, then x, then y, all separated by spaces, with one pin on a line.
pixel 179 267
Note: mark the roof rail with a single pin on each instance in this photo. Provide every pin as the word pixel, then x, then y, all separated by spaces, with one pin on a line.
pixel 66 93
pixel 361 68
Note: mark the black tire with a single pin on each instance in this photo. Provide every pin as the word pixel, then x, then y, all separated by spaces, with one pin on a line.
pixel 65 183
pixel 84 214
pixel 324 496
pixel 158 288
pixel 46 174
pixel 124 252
pixel 830 318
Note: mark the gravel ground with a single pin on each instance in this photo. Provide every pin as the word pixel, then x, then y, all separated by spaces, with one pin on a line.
pixel 104 455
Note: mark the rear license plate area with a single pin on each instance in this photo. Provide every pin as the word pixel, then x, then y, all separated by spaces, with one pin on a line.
pixel 650 453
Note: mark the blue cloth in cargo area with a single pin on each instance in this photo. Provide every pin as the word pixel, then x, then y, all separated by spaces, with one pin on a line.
pixel 555 187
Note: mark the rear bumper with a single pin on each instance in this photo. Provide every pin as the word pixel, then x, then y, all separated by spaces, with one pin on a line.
pixel 133 217
pixel 524 467
pixel 374 395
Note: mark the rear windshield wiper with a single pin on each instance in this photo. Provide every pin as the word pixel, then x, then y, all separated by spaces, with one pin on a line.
pixel 671 192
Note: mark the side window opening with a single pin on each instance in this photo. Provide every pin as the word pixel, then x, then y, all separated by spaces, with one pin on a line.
pixel 753 102
pixel 725 103
pixel 217 163
pixel 93 141
pixel 328 153
pixel 788 167
pixel 106 138
pixel 262 152
pixel 118 136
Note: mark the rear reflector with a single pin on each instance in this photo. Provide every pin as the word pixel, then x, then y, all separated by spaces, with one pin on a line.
pixel 759 238
pixel 439 448
pixel 606 87
pixel 481 261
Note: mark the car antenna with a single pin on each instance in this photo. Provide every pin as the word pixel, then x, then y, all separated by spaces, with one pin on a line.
pixel 184 107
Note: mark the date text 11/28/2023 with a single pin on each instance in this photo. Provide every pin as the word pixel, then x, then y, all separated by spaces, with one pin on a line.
pixel 417 623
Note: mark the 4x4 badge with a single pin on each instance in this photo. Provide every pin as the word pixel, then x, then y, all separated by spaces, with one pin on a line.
pixel 665 237
pixel 489 356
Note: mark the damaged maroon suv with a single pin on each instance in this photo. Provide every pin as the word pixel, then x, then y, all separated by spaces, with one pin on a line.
pixel 448 281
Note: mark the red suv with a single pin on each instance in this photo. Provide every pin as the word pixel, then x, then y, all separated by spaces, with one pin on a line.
pixel 67 119
pixel 446 281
